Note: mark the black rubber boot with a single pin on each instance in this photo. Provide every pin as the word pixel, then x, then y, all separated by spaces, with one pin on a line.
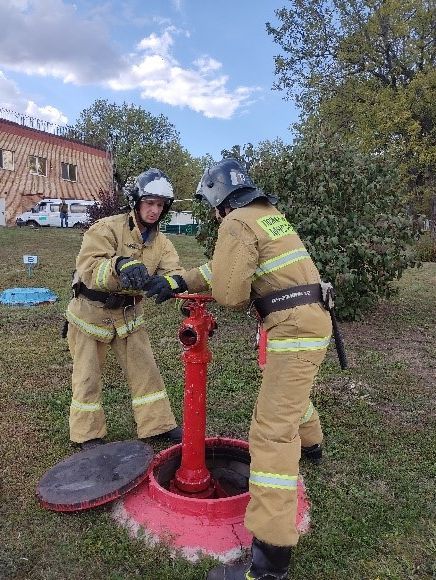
pixel 173 436
pixel 312 453
pixel 91 443
pixel 267 563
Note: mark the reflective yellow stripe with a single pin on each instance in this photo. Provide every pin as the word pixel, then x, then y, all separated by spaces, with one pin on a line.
pixel 131 263
pixel 173 284
pixel 146 399
pixel 206 272
pixel 248 576
pixel 91 329
pixel 87 407
pixel 296 344
pixel 102 276
pixel 273 480
pixel 308 414
pixel 281 261
pixel 125 329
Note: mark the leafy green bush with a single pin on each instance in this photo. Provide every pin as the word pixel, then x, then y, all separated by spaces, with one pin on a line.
pixel 347 208
pixel 208 226
pixel 110 203
pixel 426 248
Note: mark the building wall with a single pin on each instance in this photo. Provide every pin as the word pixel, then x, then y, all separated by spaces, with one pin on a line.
pixel 22 189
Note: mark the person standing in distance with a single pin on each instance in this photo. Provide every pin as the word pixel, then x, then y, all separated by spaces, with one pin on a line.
pixel 260 259
pixel 63 213
pixel 112 267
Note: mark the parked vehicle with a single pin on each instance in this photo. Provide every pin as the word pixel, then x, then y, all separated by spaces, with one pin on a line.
pixel 46 213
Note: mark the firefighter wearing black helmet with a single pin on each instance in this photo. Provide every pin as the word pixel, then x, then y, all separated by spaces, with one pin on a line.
pixel 259 258
pixel 117 257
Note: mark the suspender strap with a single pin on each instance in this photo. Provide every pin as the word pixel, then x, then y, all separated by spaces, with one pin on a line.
pixel 288 298
pixel 110 299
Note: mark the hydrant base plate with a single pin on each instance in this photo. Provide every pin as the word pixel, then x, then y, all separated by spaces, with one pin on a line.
pixel 193 527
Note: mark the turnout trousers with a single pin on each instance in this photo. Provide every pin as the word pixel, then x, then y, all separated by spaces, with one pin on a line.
pixel 283 420
pixel 151 406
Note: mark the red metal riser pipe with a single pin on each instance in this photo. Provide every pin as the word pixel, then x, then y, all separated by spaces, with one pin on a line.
pixel 192 475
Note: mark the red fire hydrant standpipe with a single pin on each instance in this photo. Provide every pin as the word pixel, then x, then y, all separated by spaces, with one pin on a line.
pixel 197 492
pixel 193 477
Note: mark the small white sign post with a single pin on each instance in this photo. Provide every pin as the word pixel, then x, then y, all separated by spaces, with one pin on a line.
pixel 30 261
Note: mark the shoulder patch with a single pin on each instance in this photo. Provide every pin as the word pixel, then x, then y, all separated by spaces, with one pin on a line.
pixel 276 226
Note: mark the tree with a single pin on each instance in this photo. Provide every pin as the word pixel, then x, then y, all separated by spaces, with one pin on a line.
pixel 348 209
pixel 139 140
pixel 365 69
pixel 110 203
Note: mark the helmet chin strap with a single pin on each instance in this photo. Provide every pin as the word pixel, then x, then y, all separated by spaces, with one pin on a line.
pixel 222 209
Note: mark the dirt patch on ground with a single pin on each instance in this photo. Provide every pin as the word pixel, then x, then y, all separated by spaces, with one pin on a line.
pixel 415 347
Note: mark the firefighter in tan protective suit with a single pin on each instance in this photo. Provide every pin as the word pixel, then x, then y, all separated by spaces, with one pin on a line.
pixel 117 255
pixel 259 258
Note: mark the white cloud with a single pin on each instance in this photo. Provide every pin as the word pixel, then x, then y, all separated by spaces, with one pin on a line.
pixel 11 99
pixel 48 113
pixel 206 64
pixel 52 39
pixel 156 73
pixel 9 93
pixel 157 44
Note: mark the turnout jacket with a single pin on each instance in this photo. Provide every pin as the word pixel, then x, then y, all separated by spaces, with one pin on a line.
pixel 105 241
pixel 258 252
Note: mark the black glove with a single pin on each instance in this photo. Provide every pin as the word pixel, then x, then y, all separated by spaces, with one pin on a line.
pixel 133 274
pixel 164 287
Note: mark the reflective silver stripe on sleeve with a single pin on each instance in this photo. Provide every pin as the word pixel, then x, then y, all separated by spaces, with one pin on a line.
pixel 87 407
pixel 274 480
pixel 206 272
pixel 147 399
pixel 296 344
pixel 281 261
pixel 102 276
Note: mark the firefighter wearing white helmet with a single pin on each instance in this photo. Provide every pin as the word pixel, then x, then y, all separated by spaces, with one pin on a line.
pixel 117 257
pixel 259 258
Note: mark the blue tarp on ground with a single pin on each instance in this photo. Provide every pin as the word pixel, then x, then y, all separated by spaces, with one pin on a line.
pixel 26 296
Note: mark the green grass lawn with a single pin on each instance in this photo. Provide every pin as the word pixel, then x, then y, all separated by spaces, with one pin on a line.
pixel 372 500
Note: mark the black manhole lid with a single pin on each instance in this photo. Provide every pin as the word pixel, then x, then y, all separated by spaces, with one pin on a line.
pixel 94 477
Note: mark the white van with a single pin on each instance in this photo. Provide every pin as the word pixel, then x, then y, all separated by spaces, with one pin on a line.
pixel 46 213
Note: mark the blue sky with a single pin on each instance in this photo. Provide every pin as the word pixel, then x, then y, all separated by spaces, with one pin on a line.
pixel 207 65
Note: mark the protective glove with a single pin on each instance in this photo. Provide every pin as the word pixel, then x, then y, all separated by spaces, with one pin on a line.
pixel 133 274
pixel 164 287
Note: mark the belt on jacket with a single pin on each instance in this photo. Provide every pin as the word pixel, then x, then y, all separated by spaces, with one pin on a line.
pixel 299 295
pixel 288 298
pixel 110 300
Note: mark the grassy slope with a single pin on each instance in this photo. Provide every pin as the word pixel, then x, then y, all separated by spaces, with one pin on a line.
pixel 372 500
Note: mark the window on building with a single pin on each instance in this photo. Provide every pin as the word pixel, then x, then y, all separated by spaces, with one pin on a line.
pixel 6 159
pixel 69 171
pixel 38 165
